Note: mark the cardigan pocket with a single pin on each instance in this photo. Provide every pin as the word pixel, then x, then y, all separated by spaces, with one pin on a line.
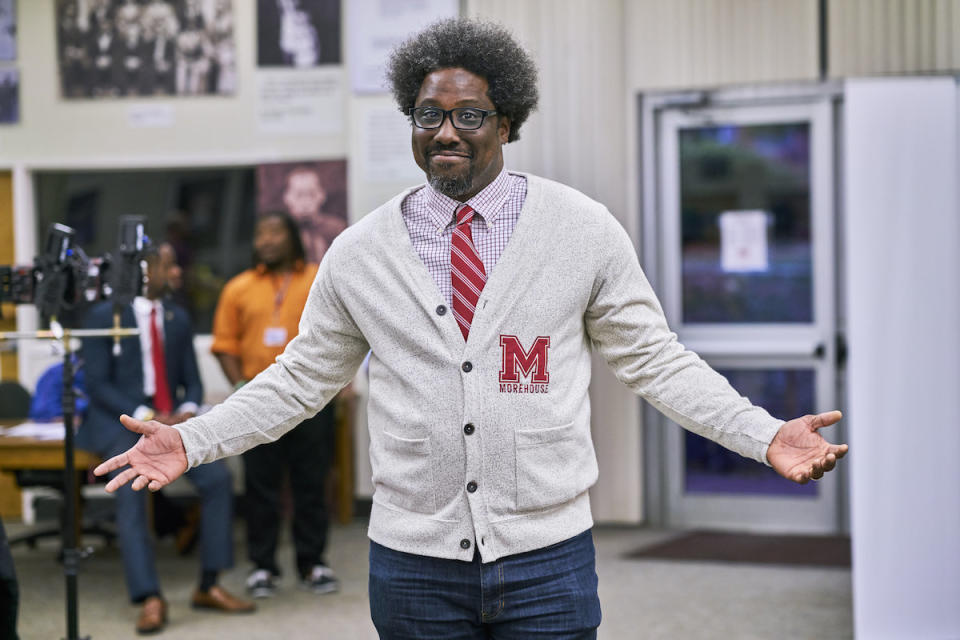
pixel 554 465
pixel 408 480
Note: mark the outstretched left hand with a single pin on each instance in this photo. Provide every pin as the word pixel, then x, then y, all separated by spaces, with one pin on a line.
pixel 798 451
pixel 157 459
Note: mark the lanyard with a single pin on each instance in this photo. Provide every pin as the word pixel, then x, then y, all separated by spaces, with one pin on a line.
pixel 281 293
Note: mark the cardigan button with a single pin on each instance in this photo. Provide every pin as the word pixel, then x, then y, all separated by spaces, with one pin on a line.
pixel 468 429
pixel 467 367
pixel 471 486
pixel 464 544
pixel 441 309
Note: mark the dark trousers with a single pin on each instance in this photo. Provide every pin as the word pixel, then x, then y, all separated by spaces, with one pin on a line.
pixel 9 593
pixel 306 453
pixel 546 593
pixel 215 487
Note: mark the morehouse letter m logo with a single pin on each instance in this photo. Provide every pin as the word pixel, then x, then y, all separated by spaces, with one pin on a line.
pixel 531 364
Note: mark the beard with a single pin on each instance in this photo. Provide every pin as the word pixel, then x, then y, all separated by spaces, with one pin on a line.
pixel 453 185
pixel 271 261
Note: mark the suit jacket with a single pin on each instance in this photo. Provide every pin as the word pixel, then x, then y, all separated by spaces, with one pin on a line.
pixel 115 383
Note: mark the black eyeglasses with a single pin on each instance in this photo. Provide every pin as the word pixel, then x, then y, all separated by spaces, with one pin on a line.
pixel 465 118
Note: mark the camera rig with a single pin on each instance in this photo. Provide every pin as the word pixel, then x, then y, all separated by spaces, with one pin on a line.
pixel 63 280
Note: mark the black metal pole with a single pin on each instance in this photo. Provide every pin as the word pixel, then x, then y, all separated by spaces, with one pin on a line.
pixel 824 40
pixel 71 556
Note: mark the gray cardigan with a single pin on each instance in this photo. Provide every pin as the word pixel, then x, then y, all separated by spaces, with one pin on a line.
pixel 485 443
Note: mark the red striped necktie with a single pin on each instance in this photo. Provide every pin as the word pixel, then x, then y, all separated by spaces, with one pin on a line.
pixel 467 274
pixel 162 399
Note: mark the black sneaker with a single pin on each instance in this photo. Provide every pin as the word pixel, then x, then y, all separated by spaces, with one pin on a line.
pixel 321 579
pixel 260 584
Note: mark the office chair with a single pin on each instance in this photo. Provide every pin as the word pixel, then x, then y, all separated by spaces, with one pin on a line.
pixel 14 401
pixel 15 405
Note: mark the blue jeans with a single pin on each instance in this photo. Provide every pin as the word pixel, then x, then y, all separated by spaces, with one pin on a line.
pixel 546 593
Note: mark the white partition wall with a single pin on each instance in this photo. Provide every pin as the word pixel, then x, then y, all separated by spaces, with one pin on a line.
pixel 902 236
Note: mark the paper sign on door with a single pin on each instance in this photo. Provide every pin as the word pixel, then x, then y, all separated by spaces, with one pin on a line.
pixel 743 241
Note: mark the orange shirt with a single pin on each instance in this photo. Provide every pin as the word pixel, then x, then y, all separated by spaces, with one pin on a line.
pixel 258 314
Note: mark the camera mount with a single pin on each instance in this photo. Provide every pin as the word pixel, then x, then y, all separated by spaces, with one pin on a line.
pixel 63 278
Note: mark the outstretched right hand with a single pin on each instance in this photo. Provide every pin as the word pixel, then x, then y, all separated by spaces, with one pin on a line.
pixel 155 461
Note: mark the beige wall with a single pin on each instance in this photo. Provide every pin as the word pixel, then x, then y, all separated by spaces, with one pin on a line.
pixel 704 43
pixel 71 132
pixel 894 36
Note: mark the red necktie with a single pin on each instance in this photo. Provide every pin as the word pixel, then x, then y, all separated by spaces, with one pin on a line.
pixel 162 402
pixel 467 274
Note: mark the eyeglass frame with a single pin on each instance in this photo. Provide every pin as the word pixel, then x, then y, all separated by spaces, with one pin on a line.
pixel 448 115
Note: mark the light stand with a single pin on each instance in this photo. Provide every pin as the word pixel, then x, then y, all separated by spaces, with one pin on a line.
pixel 61 280
pixel 71 555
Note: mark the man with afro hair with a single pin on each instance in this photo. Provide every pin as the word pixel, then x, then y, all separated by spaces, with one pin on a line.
pixel 480 296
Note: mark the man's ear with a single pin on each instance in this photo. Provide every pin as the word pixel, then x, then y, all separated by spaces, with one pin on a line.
pixel 503 129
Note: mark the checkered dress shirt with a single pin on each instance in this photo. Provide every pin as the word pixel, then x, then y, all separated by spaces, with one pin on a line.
pixel 430 217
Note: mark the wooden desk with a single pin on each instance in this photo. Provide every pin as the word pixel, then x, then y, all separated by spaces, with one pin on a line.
pixel 29 453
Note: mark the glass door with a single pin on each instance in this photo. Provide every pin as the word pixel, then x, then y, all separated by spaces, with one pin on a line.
pixel 747 271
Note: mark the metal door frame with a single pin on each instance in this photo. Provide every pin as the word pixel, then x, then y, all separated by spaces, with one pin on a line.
pixel 822 99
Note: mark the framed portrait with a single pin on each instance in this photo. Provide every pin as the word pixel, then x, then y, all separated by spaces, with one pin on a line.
pixel 314 193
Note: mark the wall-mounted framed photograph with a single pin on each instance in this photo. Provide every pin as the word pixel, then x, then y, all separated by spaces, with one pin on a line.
pixel 117 48
pixel 314 193
pixel 298 33
pixel 8 30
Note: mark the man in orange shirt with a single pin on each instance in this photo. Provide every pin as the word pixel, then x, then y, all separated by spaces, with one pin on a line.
pixel 257 315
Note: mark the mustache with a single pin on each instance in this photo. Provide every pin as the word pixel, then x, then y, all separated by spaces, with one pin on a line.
pixel 438 148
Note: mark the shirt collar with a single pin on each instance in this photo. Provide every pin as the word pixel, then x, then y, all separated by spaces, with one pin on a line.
pixel 143 305
pixel 488 203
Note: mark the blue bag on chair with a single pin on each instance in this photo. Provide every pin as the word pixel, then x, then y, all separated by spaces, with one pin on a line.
pixel 47 399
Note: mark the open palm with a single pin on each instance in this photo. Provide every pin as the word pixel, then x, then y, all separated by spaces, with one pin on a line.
pixel 155 461
pixel 798 451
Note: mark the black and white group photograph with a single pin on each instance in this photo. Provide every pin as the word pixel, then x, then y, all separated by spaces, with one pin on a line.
pixel 116 48
pixel 298 33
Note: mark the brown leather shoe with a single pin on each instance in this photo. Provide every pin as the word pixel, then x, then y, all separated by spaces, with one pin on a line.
pixel 153 615
pixel 219 599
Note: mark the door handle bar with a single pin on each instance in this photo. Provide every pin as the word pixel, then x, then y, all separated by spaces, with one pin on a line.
pixel 771 349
